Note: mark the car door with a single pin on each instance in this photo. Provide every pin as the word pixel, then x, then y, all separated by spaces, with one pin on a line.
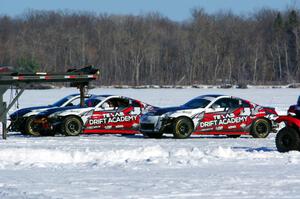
pixel 100 118
pixel 209 121
pixel 224 115
pixel 128 114
pixel 237 116
pixel 115 113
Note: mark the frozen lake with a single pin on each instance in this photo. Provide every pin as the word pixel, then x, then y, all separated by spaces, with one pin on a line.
pixel 114 166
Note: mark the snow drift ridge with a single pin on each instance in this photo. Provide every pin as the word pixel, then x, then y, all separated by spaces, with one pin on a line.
pixel 142 155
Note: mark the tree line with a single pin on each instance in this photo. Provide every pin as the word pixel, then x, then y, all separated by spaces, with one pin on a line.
pixel 260 48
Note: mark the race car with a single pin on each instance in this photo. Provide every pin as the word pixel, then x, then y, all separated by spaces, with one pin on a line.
pixel 21 120
pixel 104 114
pixel 210 115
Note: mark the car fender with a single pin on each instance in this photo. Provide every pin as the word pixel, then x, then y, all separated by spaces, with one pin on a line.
pixel 289 120
pixel 78 117
pixel 188 114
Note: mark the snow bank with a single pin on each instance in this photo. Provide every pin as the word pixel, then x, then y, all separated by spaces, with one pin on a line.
pixel 133 157
pixel 48 157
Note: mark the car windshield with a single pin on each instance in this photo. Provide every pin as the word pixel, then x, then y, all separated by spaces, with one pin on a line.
pixel 298 102
pixel 60 102
pixel 92 102
pixel 197 103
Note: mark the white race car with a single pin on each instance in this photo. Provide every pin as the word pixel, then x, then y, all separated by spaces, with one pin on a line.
pixel 102 114
pixel 21 120
pixel 210 114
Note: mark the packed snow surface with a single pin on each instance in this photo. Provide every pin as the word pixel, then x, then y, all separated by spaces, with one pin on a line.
pixel 115 166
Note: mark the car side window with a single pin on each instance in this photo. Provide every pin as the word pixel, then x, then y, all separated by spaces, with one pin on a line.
pixel 221 103
pixel 234 103
pixel 136 104
pixel 92 102
pixel 74 102
pixel 245 104
pixel 108 105
pixel 228 103
pixel 116 104
pixel 122 103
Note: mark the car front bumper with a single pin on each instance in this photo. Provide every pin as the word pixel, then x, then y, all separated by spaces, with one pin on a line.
pixel 153 123
pixel 17 124
pixel 150 123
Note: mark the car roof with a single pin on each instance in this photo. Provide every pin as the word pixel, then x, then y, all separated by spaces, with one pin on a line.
pixel 94 96
pixel 106 96
pixel 78 94
pixel 212 96
pixel 74 94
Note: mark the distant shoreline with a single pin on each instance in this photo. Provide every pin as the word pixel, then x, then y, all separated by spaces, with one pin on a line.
pixel 200 86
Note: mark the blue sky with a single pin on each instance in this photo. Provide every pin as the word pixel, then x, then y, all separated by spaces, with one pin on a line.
pixel 174 9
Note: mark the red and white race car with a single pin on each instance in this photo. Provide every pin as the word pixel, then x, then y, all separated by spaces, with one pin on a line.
pixel 210 114
pixel 103 114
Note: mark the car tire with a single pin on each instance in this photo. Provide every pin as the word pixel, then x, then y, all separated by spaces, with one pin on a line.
pixel 287 139
pixel 182 128
pixel 156 135
pixel 23 131
pixel 261 128
pixel 72 126
pixel 29 127
pixel 233 136
pixel 48 133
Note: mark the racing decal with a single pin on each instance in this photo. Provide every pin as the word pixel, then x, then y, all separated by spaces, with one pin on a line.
pixel 219 128
pixel 232 127
pixel 113 118
pixel 219 120
pixel 243 125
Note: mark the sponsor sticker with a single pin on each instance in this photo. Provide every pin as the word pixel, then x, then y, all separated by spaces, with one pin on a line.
pixel 220 120
pixel 113 118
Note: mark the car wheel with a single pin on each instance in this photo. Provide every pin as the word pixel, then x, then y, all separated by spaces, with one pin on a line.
pixel 72 126
pixel 30 127
pixel 48 133
pixel 287 139
pixel 261 128
pixel 182 128
pixel 233 136
pixel 23 131
pixel 155 135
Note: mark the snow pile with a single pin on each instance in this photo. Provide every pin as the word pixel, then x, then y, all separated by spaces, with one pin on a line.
pixel 9 192
pixel 29 157
pixel 154 155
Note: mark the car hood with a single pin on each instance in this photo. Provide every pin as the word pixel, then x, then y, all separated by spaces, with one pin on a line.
pixel 161 111
pixel 50 111
pixel 23 111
